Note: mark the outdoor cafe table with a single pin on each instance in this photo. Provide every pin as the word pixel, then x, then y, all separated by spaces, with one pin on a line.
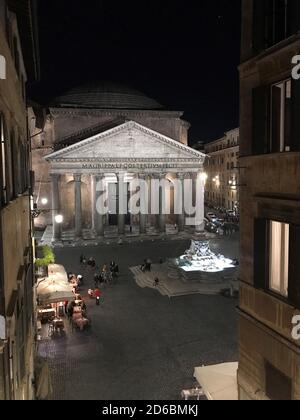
pixel 46 314
pixel 77 310
pixel 58 324
pixel 81 322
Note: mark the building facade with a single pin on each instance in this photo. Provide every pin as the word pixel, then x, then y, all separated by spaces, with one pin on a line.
pixel 115 135
pixel 222 169
pixel 269 365
pixel 18 47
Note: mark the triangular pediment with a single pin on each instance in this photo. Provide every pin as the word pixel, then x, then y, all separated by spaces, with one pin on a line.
pixel 129 140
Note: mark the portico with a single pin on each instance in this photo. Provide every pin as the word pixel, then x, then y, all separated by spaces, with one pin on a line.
pixel 126 175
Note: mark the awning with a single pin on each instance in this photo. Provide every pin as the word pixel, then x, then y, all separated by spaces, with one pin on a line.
pixel 57 273
pixel 44 386
pixel 55 288
pixel 219 382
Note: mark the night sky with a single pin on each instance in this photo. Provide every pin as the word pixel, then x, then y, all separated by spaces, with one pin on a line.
pixel 182 53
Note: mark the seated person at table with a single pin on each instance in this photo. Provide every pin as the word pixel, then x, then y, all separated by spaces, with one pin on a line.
pixel 80 322
pixel 83 308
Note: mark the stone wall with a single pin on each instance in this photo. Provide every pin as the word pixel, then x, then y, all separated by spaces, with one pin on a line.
pixel 15 221
pixel 270 190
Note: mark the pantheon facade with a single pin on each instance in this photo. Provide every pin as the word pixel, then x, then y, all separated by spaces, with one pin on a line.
pixel 110 134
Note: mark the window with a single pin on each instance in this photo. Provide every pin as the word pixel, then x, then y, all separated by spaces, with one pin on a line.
pixel 279 237
pixel 17 58
pixel 14 165
pixel 281 116
pixel 275 121
pixel 8 29
pixel 276 257
pixel 4 197
pixel 277 21
pixel 274 21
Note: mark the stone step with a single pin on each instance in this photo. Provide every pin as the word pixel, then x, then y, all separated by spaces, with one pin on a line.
pixel 144 281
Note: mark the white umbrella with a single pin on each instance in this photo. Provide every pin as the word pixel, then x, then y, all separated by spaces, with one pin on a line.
pixel 57 272
pixel 44 386
pixel 51 291
pixel 219 382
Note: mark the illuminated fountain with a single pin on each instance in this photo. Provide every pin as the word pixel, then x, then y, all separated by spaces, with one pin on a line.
pixel 200 264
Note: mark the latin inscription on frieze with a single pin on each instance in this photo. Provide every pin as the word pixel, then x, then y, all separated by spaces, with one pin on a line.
pixel 128 166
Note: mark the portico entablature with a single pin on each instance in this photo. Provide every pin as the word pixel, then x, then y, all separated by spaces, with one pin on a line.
pixel 94 166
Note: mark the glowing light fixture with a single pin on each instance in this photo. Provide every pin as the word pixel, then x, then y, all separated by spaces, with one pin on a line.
pixel 204 177
pixel 59 219
pixel 44 201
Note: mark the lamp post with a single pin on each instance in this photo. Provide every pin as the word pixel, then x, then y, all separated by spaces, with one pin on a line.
pixel 36 212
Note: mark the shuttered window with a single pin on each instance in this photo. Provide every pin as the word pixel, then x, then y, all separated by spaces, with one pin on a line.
pixel 259 26
pixel 3 168
pixel 261 120
pixel 273 21
pixel 295 113
pixel 260 253
pixel 281 97
pixel 293 17
pixel 294 266
pixel 276 124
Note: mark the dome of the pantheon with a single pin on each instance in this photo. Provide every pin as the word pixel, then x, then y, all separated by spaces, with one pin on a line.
pixel 106 95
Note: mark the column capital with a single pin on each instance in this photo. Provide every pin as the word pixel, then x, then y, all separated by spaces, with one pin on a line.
pixel 162 175
pixel 97 177
pixel 154 175
pixel 181 175
pixel 77 177
pixel 142 175
pixel 120 175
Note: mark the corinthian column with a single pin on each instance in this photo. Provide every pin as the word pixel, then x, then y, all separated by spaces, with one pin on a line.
pixel 121 204
pixel 97 218
pixel 162 203
pixel 200 198
pixel 181 215
pixel 78 207
pixel 143 207
pixel 56 232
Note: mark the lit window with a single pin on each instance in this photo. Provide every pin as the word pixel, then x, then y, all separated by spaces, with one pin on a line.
pixel 279 257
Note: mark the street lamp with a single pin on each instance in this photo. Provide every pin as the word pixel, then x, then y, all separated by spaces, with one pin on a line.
pixel 233 183
pixel 44 201
pixel 59 219
pixel 36 212
pixel 216 180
